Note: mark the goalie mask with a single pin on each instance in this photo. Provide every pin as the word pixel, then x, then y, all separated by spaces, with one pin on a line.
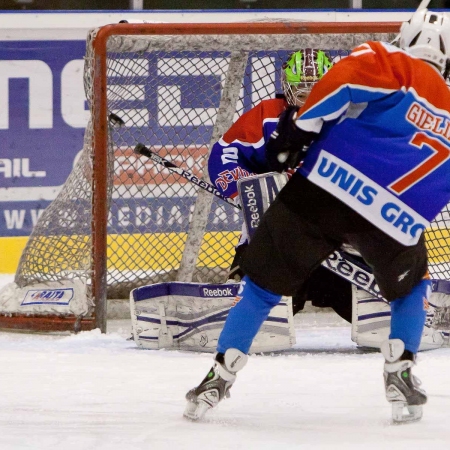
pixel 301 71
pixel 427 36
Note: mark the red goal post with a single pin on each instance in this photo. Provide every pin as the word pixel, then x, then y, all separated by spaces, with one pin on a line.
pixel 100 44
pixel 120 221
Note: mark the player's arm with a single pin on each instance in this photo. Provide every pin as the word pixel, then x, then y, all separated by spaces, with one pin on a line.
pixel 241 150
pixel 226 165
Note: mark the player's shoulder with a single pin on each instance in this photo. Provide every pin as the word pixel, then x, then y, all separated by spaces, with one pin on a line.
pixel 264 109
pixel 272 107
pixel 378 48
pixel 277 103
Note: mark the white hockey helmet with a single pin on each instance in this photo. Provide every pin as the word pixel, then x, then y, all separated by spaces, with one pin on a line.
pixel 427 36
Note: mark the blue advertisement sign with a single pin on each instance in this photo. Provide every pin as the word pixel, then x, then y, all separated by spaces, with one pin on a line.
pixel 43 114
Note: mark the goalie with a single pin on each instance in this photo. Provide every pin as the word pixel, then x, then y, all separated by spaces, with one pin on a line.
pixel 241 152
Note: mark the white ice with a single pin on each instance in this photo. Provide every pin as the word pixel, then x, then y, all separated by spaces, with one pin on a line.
pixel 94 391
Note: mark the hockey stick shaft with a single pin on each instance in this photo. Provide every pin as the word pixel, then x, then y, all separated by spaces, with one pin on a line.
pixel 141 149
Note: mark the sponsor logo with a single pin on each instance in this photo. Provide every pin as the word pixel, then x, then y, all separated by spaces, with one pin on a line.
pixel 403 275
pixel 203 340
pixel 391 350
pixel 217 292
pixel 369 199
pixel 347 181
pixel 226 177
pixel 48 297
pixel 251 206
pixel 353 273
pixel 236 360
pixel 237 299
pixel 19 167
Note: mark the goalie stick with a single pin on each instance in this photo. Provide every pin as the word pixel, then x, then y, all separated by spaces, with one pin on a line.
pixel 141 149
pixel 338 262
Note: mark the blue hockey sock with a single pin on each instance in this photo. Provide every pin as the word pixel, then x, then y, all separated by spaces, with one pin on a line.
pixel 408 316
pixel 246 317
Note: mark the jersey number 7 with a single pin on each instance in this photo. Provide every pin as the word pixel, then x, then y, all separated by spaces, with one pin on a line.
pixel 440 154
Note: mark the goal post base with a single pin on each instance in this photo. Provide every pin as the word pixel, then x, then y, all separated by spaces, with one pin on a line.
pixel 45 324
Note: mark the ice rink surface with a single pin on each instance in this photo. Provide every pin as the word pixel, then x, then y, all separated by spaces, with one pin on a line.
pixel 94 391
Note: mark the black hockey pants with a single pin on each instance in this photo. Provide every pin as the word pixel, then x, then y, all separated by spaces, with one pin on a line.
pixel 305 224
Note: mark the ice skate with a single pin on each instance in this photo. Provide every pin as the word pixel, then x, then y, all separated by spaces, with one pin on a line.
pixel 402 387
pixel 216 385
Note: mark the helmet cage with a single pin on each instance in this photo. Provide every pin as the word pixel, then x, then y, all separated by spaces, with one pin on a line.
pixel 300 72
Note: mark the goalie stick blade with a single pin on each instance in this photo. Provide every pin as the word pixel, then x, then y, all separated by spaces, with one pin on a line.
pixel 115 120
pixel 404 413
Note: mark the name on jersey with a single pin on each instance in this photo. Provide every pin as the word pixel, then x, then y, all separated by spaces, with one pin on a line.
pixel 423 119
pixel 368 198
pixel 227 177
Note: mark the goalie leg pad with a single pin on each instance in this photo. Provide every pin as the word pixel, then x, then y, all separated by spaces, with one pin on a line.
pixel 371 321
pixel 190 316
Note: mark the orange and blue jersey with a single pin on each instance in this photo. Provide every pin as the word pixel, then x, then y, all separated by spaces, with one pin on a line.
pixel 241 150
pixel 383 148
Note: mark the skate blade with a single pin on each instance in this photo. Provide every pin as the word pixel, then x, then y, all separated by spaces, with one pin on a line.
pixel 404 413
pixel 196 411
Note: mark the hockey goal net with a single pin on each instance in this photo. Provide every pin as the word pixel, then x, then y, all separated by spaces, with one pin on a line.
pixel 122 221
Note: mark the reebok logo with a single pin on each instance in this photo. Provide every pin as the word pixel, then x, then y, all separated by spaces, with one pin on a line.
pixel 225 292
pixel 402 276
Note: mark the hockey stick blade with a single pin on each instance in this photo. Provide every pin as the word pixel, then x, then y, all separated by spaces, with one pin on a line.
pixel 141 149
pixel 115 120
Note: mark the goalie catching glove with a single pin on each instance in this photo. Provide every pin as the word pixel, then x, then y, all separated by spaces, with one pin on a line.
pixel 287 145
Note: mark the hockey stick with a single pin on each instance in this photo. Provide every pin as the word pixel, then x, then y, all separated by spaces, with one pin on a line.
pixel 141 149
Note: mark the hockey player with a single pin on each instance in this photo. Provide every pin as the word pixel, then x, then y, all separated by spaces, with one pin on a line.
pixel 242 151
pixel 375 174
